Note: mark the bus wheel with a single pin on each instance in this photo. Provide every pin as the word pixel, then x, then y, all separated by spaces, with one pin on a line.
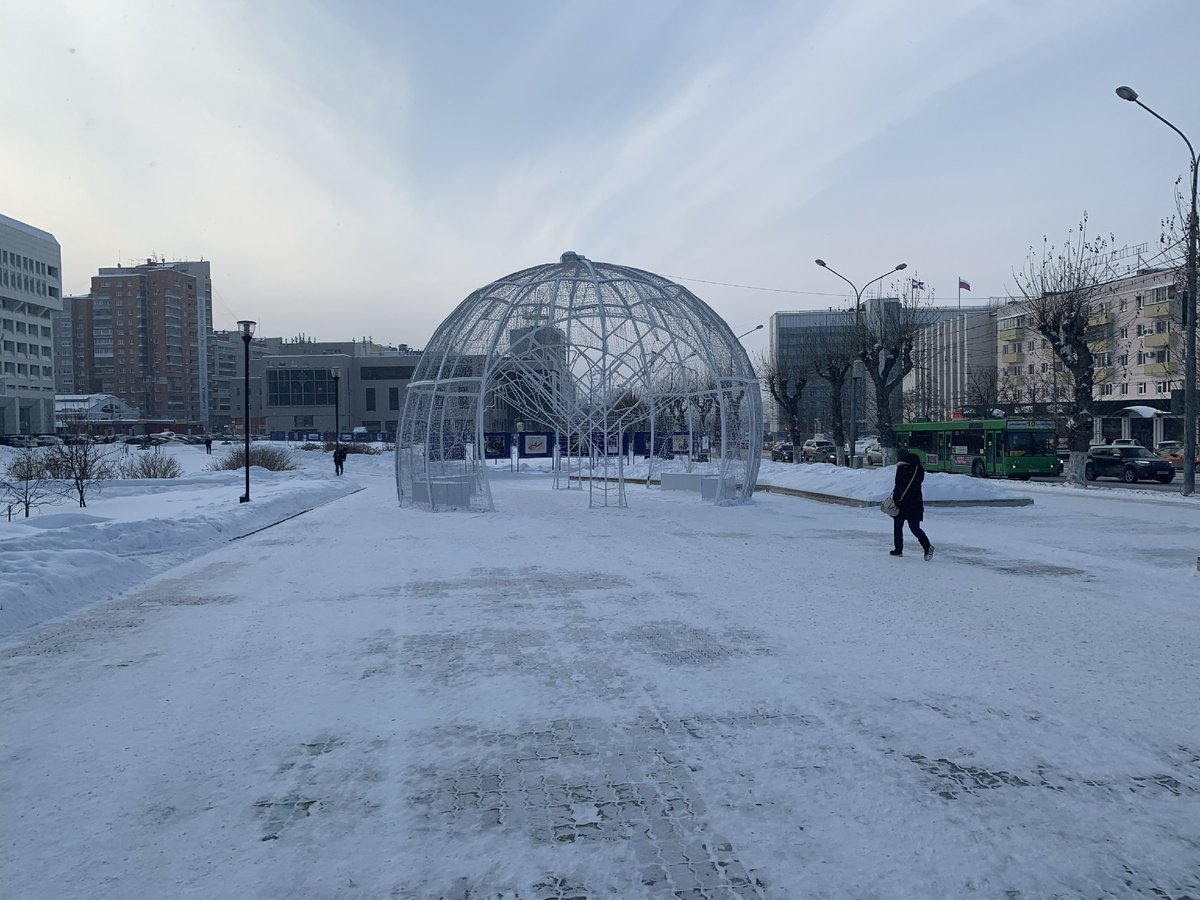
pixel 977 468
pixel 1024 476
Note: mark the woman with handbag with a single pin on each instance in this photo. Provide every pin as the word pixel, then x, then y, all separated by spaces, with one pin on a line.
pixel 909 503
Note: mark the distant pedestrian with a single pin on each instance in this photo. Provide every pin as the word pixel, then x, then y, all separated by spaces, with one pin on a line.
pixel 208 445
pixel 339 459
pixel 907 495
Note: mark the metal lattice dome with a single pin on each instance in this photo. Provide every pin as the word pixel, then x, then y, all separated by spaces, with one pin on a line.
pixel 587 353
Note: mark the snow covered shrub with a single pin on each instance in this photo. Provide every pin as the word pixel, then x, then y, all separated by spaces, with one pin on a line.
pixel 151 465
pixel 274 459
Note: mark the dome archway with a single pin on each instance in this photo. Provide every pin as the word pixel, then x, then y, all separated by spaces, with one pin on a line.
pixel 588 353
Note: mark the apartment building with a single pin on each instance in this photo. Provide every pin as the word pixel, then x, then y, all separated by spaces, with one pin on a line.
pixel 1136 338
pixel 30 294
pixel 142 334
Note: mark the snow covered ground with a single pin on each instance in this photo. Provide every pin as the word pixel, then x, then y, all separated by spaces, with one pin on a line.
pixel 674 699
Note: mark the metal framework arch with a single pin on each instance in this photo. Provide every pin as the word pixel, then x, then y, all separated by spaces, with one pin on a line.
pixel 590 353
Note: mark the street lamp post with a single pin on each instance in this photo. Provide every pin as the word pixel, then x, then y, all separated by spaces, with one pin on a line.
pixel 858 292
pixel 1189 312
pixel 336 372
pixel 751 331
pixel 247 328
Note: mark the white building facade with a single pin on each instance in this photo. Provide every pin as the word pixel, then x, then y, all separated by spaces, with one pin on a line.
pixel 30 293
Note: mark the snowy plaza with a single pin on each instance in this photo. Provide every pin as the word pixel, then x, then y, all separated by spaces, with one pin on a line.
pixel 321 694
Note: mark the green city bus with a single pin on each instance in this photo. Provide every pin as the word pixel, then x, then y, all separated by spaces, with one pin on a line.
pixel 1008 448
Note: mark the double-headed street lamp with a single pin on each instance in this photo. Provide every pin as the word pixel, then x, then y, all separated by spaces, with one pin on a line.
pixel 854 376
pixel 247 328
pixel 1190 412
pixel 336 372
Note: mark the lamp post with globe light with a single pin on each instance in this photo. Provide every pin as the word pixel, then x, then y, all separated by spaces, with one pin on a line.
pixel 1189 311
pixel 856 366
pixel 247 328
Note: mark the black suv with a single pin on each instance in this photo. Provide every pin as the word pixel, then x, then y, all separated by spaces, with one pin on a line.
pixel 1130 464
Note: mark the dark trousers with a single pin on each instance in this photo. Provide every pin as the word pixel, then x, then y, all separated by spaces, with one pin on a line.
pixel 914 525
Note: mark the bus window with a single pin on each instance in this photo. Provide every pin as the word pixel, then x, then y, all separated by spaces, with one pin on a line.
pixel 966 441
pixel 925 441
pixel 1030 443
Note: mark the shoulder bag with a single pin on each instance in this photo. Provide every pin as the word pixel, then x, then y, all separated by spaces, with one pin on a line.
pixel 889 506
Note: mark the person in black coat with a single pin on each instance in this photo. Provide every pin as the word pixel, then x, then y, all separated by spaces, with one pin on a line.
pixel 339 459
pixel 907 496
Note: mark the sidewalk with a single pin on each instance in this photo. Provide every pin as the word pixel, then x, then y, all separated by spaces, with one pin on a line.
pixel 673 700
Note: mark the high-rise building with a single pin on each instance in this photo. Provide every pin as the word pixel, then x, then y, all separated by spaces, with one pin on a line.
pixel 142 334
pixel 30 293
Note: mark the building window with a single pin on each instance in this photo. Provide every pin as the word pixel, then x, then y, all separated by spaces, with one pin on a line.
pixel 1141 387
pixel 1125 387
pixel 394 398
pixel 302 421
pixel 1161 387
pixel 370 399
pixel 1106 390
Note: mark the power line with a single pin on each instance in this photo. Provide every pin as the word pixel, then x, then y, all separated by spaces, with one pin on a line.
pixel 751 287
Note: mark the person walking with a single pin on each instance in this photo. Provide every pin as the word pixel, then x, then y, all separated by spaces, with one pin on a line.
pixel 907 496
pixel 208 445
pixel 339 459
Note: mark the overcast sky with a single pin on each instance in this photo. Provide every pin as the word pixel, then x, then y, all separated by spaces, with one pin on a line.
pixel 357 168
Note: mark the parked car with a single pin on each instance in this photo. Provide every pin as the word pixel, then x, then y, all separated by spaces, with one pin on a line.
pixel 47 440
pixel 1172 452
pixel 782 452
pixel 818 450
pixel 873 454
pixel 20 441
pixel 1129 463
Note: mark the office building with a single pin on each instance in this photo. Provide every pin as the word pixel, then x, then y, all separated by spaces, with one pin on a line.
pixel 30 294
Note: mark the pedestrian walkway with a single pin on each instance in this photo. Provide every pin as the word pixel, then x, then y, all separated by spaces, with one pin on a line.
pixel 672 700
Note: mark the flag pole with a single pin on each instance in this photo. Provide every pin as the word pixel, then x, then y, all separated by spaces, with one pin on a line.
pixel 960 293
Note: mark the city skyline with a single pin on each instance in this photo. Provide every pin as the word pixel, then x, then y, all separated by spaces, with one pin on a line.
pixel 359 170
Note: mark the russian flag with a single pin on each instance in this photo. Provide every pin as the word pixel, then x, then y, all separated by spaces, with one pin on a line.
pixel 963 284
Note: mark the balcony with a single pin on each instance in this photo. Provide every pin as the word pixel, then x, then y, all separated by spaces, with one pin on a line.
pixel 1011 334
pixel 1159 310
pixel 1159 370
pixel 1100 318
pixel 1101 346
pixel 1012 357
pixel 1158 339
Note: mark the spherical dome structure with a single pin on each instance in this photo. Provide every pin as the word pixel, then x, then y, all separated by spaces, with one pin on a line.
pixel 596 359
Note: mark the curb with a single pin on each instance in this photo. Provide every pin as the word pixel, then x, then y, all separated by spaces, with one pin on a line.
pixel 840 500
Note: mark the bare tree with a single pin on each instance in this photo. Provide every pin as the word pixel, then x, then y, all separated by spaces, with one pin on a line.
pixel 983 388
pixel 26 482
pixel 886 336
pixel 835 355
pixel 1061 288
pixel 785 384
pixel 83 464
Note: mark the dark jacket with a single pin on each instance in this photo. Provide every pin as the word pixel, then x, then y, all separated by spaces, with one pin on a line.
pixel 912 506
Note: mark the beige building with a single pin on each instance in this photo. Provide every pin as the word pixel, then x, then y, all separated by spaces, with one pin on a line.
pixel 1137 340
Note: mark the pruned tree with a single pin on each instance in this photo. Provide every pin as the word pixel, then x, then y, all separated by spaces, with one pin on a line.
pixel 835 356
pixel 785 384
pixel 886 335
pixel 26 481
pixel 1061 288
pixel 83 465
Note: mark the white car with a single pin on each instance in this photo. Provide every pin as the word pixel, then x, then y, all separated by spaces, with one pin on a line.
pixel 873 454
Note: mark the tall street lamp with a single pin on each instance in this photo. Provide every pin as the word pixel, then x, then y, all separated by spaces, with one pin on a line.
pixel 857 365
pixel 751 331
pixel 1189 312
pixel 247 328
pixel 336 372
